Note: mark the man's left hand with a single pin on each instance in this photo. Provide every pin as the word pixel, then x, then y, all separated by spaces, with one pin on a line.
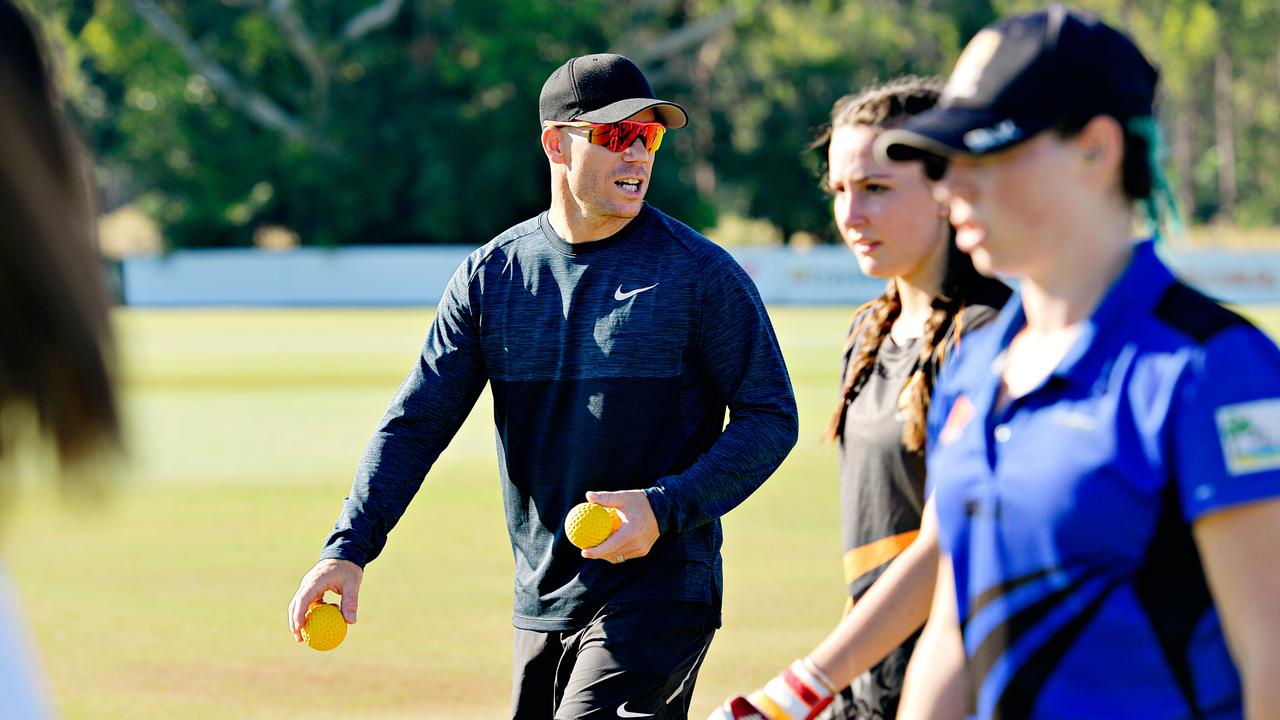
pixel 638 532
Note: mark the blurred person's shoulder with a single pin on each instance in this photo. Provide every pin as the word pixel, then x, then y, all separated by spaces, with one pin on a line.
pixel 984 303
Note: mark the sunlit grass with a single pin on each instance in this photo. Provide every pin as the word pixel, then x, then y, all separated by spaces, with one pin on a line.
pixel 245 426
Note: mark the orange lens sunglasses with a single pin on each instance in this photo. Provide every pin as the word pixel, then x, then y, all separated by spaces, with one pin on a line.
pixel 619 136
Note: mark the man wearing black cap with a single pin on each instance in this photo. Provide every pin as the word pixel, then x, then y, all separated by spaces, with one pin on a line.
pixel 614 338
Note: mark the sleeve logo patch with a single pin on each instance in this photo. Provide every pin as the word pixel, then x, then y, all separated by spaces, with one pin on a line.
pixel 1250 435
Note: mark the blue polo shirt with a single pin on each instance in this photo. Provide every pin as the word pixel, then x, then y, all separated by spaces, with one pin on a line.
pixel 1068 512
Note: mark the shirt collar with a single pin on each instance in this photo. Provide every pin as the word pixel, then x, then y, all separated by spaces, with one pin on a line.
pixel 1133 295
pixel 584 248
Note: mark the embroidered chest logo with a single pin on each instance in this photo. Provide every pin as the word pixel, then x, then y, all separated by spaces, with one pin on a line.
pixel 620 296
pixel 623 712
pixel 957 420
pixel 1250 435
pixel 1075 420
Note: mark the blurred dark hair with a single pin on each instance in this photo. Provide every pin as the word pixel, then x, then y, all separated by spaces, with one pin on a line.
pixel 885 106
pixel 1136 173
pixel 54 335
pixel 889 104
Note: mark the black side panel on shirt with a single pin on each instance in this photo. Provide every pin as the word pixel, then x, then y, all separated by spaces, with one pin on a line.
pixel 1188 310
pixel 1171 588
pixel 986 596
pixel 1019 698
pixel 1025 685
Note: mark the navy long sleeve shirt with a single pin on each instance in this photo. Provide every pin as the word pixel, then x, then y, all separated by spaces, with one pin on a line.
pixel 612 365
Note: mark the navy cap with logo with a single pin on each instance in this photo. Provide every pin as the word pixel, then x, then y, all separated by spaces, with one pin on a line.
pixel 1026 74
pixel 603 88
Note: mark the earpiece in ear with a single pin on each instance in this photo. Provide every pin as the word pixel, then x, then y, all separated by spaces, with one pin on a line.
pixel 1093 154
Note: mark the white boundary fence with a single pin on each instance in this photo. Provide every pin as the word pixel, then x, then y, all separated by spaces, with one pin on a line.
pixel 414 276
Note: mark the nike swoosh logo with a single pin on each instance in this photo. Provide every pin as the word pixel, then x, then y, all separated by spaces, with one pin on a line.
pixel 623 712
pixel 620 296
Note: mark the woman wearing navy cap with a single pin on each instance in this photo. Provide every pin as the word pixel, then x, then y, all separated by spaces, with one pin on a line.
pixel 1105 456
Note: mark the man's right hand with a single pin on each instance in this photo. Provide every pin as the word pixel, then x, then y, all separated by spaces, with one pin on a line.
pixel 339 576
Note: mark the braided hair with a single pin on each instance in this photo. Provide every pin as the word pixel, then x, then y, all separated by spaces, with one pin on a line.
pixel 886 106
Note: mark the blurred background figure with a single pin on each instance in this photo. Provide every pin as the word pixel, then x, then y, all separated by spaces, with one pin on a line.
pixel 55 382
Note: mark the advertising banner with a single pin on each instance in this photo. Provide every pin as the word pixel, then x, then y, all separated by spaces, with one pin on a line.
pixel 410 276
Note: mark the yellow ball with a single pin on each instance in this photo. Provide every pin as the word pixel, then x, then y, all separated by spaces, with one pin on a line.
pixel 325 628
pixel 589 524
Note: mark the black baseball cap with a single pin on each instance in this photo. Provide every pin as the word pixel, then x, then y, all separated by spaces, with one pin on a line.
pixel 603 88
pixel 1023 75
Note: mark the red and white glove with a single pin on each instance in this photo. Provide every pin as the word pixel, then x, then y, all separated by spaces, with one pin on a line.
pixel 798 693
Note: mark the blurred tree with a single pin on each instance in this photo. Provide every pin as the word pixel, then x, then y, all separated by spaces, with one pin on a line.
pixel 1218 104
pixel 770 86
pixel 346 121
pixel 389 121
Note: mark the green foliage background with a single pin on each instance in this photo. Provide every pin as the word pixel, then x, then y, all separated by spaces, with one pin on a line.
pixel 424 128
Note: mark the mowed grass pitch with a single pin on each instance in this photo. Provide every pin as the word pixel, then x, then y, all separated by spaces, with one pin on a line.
pixel 245 427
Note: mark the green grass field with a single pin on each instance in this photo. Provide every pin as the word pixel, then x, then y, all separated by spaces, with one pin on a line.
pixel 245 426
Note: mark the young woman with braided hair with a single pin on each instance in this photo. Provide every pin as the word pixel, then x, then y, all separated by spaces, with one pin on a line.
pixel 897 343
pixel 963 289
